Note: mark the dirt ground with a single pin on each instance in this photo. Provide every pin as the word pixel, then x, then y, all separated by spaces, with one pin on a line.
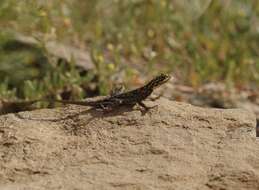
pixel 174 146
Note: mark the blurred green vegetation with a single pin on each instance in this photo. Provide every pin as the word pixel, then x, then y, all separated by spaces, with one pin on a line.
pixel 133 37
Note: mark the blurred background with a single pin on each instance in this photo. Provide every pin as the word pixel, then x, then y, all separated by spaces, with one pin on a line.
pixel 72 49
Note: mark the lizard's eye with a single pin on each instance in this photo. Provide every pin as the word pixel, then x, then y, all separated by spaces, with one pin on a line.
pixel 164 78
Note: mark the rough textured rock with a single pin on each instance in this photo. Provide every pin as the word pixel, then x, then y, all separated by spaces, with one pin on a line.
pixel 174 146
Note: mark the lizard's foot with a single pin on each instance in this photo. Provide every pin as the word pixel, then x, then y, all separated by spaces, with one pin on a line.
pixel 155 98
pixel 146 107
pixel 104 109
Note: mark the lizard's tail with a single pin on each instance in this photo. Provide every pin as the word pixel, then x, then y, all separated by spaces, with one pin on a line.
pixel 82 103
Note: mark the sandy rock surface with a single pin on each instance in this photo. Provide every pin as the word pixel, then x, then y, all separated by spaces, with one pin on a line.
pixel 174 146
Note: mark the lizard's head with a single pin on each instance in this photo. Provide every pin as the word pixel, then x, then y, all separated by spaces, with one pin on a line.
pixel 158 81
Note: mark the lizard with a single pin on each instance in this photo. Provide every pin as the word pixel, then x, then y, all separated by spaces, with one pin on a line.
pixel 118 98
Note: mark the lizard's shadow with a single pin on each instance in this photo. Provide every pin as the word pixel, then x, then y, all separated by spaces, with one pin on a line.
pixel 121 110
pixel 94 113
pixel 114 112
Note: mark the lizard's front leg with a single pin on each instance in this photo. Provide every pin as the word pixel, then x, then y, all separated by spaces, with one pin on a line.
pixel 146 107
pixel 155 98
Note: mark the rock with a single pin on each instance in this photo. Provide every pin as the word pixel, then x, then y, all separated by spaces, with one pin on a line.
pixel 174 146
